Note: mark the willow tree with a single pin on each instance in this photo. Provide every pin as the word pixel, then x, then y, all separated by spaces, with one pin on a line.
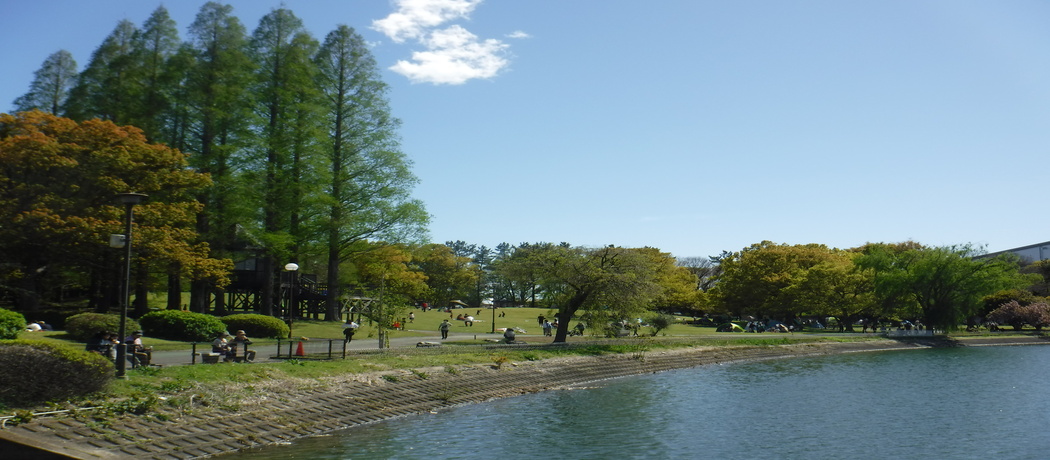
pixel 367 192
pixel 51 84
pixel 946 284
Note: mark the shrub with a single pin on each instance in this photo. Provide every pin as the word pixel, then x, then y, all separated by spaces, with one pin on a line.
pixel 996 300
pixel 660 321
pixel 36 372
pixel 11 323
pixel 1017 315
pixel 181 325
pixel 86 325
pixel 260 326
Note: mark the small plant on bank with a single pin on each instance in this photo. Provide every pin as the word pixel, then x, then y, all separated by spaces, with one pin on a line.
pixel 391 378
pixel 418 373
pixel 500 360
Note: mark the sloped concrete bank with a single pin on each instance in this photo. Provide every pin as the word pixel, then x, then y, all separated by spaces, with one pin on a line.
pixel 280 411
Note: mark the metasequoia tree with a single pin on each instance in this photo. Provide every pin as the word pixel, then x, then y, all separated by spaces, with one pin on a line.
pixel 51 84
pixel 153 46
pixel 216 119
pixel 368 181
pixel 279 77
pixel 106 88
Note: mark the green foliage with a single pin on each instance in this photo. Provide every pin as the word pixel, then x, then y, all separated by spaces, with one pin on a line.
pixel 11 323
pixel 182 325
pixel 947 284
pixel 35 372
pixel 253 325
pixel 660 322
pixel 85 325
pixel 758 280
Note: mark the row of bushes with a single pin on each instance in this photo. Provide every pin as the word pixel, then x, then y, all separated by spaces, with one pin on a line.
pixel 178 325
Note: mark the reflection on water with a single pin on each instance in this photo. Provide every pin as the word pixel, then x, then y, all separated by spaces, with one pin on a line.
pixel 988 402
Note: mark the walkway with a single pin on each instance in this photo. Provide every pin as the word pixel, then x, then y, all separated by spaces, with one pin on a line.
pixel 183 357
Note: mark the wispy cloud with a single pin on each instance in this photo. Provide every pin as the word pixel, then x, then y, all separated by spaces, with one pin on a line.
pixel 518 34
pixel 453 54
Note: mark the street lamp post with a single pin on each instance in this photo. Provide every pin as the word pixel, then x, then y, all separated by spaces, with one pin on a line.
pixel 129 200
pixel 292 268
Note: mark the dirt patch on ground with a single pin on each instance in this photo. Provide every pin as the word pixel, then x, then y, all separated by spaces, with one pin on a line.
pixel 282 410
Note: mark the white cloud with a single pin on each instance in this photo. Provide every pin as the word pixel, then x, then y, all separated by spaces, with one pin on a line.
pixel 453 55
pixel 414 17
pixel 518 34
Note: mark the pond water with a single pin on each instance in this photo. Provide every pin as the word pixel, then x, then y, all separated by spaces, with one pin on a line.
pixel 981 402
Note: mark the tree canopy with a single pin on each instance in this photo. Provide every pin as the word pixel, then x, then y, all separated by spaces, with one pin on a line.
pixel 58 188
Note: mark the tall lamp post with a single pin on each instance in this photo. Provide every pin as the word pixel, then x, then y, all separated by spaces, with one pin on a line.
pixel 129 200
pixel 292 268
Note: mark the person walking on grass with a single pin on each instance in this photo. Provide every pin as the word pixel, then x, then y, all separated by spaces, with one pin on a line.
pixel 444 327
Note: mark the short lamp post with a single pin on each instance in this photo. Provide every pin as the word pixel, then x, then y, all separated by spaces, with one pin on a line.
pixel 292 268
pixel 129 200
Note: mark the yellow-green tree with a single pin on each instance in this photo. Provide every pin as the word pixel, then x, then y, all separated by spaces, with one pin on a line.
pixel 835 287
pixel 753 281
pixel 389 277
pixel 449 277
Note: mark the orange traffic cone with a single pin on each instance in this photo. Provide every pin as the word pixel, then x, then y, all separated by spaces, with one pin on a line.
pixel 299 351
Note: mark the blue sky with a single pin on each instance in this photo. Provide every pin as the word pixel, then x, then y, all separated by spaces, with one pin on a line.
pixel 688 125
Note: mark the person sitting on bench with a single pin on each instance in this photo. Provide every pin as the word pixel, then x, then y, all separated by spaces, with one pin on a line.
pixel 239 344
pixel 137 354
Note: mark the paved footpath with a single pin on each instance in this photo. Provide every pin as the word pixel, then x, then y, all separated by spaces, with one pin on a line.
pixel 184 357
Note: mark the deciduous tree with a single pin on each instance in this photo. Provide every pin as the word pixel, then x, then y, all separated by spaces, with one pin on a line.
pixel 58 188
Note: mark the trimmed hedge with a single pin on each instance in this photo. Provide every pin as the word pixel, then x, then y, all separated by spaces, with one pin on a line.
pixel 86 325
pixel 11 323
pixel 181 325
pixel 260 326
pixel 36 372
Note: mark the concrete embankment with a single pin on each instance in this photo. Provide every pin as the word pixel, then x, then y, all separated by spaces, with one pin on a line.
pixel 280 411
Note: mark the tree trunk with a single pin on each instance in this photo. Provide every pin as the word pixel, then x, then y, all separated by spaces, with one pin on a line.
pixel 141 291
pixel 266 305
pixel 174 290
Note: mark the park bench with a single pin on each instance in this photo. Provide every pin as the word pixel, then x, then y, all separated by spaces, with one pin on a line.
pixel 207 358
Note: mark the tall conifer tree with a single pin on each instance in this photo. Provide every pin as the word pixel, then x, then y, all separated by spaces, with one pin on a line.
pixel 51 84
pixel 369 182
pixel 106 87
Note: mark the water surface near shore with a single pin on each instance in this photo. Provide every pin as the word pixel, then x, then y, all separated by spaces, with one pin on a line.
pixel 981 402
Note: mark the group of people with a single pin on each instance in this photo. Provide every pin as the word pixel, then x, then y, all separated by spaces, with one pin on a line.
pixel 229 349
pixel 39 326
pixel 468 320
pixel 106 343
